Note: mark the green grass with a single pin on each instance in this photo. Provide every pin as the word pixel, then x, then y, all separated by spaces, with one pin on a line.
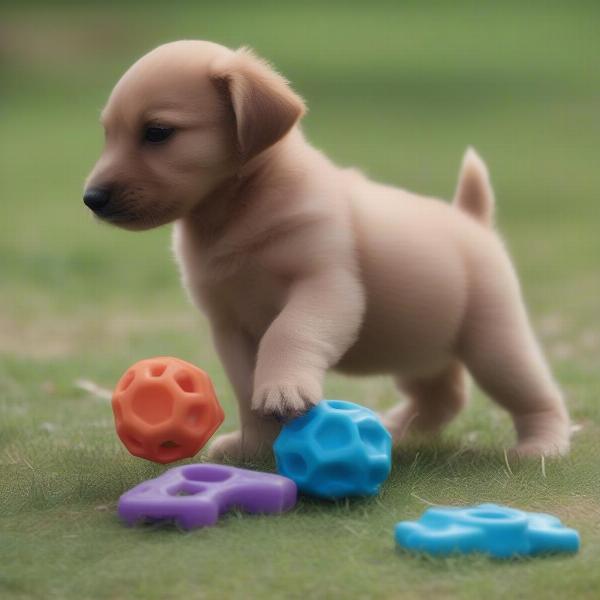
pixel 398 89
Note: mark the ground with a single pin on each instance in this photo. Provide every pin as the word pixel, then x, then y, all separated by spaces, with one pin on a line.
pixel 397 89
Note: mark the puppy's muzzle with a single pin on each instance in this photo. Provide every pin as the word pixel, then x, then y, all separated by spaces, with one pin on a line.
pixel 97 199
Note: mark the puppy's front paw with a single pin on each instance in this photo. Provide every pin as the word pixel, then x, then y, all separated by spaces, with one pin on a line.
pixel 286 400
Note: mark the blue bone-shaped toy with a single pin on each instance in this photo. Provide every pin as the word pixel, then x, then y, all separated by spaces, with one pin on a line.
pixel 488 528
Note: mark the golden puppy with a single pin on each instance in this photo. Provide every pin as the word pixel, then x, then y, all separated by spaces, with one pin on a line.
pixel 302 266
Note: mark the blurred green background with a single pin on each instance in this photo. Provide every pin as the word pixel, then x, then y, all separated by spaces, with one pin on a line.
pixel 396 88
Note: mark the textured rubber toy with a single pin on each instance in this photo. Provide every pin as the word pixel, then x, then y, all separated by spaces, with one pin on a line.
pixel 336 449
pixel 165 409
pixel 196 495
pixel 491 529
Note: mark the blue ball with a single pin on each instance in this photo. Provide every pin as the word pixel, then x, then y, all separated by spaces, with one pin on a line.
pixel 336 449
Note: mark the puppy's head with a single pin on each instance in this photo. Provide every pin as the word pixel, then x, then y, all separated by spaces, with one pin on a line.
pixel 182 121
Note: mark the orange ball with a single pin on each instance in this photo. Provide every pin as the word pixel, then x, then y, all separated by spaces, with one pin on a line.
pixel 165 409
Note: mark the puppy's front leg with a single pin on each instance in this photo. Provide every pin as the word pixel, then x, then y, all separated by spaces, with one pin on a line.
pixel 255 437
pixel 319 322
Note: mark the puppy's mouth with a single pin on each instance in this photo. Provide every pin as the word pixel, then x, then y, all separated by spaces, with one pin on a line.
pixel 115 215
pixel 127 218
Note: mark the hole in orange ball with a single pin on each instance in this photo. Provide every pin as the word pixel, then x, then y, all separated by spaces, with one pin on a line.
pixel 194 416
pixel 169 444
pixel 157 370
pixel 153 404
pixel 185 382
pixel 126 381
pixel 169 451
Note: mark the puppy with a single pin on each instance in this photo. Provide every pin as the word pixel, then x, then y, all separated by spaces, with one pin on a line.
pixel 302 266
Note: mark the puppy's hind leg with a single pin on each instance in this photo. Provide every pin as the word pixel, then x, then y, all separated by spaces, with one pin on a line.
pixel 432 402
pixel 502 354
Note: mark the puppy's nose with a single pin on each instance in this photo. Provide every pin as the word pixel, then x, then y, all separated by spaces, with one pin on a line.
pixel 96 198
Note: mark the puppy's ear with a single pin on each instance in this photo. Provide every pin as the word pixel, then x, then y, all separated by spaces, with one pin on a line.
pixel 265 107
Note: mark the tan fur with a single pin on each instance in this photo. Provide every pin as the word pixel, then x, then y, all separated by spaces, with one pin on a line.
pixel 302 266
pixel 474 192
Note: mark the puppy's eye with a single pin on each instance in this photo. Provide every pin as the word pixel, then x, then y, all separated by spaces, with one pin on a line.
pixel 155 134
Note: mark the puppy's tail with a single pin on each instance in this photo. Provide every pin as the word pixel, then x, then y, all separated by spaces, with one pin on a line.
pixel 474 193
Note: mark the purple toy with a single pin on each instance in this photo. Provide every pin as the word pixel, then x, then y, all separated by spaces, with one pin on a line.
pixel 196 495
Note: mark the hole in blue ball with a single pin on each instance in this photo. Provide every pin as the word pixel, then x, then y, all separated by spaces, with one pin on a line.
pixel 334 433
pixel 373 435
pixel 341 405
pixel 338 472
pixel 294 464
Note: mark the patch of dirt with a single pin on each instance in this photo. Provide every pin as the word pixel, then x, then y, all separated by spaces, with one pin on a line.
pixel 61 336
pixel 576 509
